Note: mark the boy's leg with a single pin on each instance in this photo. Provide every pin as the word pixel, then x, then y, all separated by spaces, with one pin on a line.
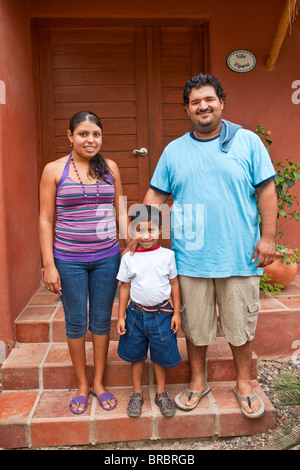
pixel 134 407
pixel 160 374
pixel 162 399
pixel 137 372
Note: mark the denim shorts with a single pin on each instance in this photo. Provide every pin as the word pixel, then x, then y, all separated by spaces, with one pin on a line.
pixel 144 329
pixel 88 282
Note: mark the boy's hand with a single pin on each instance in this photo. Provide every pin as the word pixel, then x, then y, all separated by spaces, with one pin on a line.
pixel 121 326
pixel 175 323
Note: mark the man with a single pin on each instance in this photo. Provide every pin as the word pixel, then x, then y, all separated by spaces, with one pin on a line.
pixel 214 174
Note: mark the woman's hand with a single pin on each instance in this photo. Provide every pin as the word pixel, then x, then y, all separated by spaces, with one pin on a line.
pixel 51 280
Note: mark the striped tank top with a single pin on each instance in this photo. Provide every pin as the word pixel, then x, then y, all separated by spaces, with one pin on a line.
pixel 83 231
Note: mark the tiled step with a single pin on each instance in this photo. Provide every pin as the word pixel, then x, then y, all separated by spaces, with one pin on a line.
pixel 38 383
pixel 48 366
pixel 36 418
pixel 42 321
pixel 278 328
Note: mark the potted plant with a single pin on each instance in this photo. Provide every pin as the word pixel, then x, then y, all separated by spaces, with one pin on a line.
pixel 283 270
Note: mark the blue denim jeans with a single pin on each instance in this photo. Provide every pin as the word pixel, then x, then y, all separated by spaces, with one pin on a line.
pixel 148 329
pixel 81 282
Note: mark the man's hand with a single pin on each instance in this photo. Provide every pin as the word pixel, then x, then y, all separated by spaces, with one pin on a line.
pixel 265 251
pixel 267 203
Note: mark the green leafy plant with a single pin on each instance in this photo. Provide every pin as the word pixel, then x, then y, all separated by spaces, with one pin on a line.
pixel 267 288
pixel 288 173
pixel 288 256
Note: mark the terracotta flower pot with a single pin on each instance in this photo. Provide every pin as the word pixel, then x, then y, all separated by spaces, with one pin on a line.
pixel 281 273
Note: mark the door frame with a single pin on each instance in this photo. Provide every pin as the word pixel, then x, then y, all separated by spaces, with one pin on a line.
pixel 153 134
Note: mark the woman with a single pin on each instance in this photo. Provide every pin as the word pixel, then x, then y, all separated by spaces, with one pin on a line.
pixel 79 193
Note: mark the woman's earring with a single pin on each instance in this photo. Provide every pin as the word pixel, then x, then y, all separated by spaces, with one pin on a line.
pixel 71 144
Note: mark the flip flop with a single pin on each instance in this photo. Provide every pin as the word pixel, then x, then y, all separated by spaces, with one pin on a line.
pixel 190 395
pixel 249 399
pixel 80 400
pixel 105 396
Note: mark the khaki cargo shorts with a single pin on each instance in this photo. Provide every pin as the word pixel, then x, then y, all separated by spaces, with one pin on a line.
pixel 235 298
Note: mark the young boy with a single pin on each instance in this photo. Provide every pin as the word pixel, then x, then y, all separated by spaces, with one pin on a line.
pixel 149 277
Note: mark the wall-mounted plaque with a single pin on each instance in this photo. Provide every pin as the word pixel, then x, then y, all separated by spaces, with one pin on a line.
pixel 241 61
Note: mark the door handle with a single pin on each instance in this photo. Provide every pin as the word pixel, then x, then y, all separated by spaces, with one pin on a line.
pixel 142 152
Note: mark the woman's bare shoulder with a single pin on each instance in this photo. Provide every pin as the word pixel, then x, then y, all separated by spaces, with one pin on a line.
pixel 55 168
pixel 113 167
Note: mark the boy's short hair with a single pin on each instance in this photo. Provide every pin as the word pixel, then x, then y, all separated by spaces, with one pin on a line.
pixel 146 213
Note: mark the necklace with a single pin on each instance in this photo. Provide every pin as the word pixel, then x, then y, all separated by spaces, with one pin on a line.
pixel 82 185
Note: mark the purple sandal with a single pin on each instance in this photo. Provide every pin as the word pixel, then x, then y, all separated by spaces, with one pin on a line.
pixel 80 400
pixel 106 396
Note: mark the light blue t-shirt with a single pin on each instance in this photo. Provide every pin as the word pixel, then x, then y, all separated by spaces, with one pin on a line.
pixel 214 220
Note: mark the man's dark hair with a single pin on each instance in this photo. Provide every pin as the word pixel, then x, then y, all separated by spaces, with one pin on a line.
pixel 146 213
pixel 199 81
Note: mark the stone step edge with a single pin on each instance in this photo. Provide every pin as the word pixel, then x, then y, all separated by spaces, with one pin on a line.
pixel 212 417
pixel 52 329
pixel 18 373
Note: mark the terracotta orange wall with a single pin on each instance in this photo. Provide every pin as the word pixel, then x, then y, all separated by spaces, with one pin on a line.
pixel 258 97
pixel 20 258
pixel 261 97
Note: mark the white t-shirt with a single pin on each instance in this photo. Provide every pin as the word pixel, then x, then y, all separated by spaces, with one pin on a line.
pixel 148 272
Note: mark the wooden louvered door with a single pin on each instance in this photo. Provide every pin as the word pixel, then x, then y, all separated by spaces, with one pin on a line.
pixel 129 73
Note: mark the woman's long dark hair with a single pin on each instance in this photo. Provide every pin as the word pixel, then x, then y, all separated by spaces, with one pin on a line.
pixel 97 165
